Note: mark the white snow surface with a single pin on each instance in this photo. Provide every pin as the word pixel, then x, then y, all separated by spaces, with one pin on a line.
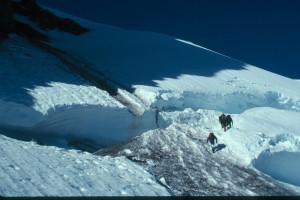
pixel 180 73
pixel 265 138
pixel 180 158
pixel 33 170
pixel 38 91
pixel 189 86
pixel 254 131
pixel 36 83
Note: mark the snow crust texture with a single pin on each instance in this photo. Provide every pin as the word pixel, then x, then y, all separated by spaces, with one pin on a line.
pixel 169 94
pixel 180 155
pixel 33 170
pixel 40 93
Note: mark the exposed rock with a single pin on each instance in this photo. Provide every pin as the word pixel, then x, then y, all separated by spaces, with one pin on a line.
pixel 42 17
pixel 6 18
pixel 28 32
pixel 45 19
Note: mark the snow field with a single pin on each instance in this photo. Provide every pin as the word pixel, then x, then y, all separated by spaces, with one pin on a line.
pixel 189 85
pixel 39 93
pixel 180 156
pixel 265 138
pixel 231 91
pixel 33 170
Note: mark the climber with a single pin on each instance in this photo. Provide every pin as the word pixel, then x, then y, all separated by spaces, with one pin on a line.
pixel 228 121
pixel 222 121
pixel 212 139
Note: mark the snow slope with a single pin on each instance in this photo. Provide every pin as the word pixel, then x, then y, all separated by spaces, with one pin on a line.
pixel 179 153
pixel 36 82
pixel 254 130
pixel 176 70
pixel 172 74
pixel 259 137
pixel 180 88
pixel 38 92
pixel 180 157
pixel 28 169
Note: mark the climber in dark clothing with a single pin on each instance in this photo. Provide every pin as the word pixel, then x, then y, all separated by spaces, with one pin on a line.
pixel 229 121
pixel 222 119
pixel 225 121
pixel 212 139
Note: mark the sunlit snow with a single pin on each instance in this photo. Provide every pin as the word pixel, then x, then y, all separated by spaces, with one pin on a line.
pixel 179 89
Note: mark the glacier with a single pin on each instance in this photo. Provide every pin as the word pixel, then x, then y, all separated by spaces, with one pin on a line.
pixel 63 135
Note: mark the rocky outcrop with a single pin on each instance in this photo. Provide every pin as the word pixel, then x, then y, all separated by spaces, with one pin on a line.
pixel 42 17
pixel 45 19
pixel 6 18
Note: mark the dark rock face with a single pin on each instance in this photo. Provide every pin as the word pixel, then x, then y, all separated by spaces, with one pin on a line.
pixel 6 18
pixel 42 17
pixel 29 32
pixel 45 19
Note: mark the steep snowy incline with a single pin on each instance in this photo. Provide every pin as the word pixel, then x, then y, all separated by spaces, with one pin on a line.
pixel 162 70
pixel 34 83
pixel 42 97
pixel 28 169
pixel 134 57
pixel 184 88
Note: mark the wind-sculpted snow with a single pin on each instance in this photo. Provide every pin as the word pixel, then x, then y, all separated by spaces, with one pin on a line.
pixel 283 165
pixel 48 98
pixel 180 156
pixel 102 125
pixel 42 97
pixel 232 91
pixel 282 159
pixel 34 83
pixel 28 169
pixel 180 73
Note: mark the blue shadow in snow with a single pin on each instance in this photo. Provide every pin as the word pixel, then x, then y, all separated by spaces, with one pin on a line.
pixel 135 58
pixel 24 67
pixel 86 127
pixel 219 147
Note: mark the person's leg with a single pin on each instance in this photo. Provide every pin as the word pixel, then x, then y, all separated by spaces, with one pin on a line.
pixel 213 146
